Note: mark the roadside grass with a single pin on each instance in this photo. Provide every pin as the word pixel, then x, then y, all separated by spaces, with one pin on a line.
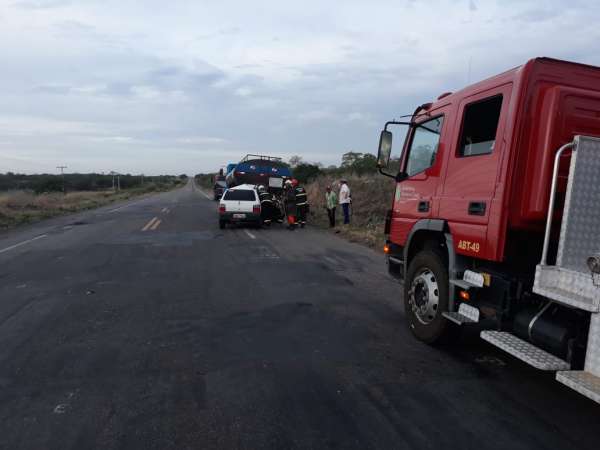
pixel 23 207
pixel 371 198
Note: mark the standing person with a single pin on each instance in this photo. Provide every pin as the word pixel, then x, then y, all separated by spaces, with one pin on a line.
pixel 289 202
pixel 330 204
pixel 301 203
pixel 267 206
pixel 345 200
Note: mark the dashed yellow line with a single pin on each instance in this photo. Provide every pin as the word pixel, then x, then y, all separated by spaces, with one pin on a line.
pixel 151 223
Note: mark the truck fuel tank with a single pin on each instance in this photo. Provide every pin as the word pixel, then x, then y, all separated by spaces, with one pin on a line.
pixel 548 328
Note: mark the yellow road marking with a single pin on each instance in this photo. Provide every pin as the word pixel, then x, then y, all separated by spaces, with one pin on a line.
pixel 155 226
pixel 149 224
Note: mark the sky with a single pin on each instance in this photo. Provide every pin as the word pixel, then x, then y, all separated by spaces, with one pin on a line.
pixel 176 87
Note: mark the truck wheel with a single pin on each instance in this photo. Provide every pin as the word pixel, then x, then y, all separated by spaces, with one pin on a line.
pixel 426 296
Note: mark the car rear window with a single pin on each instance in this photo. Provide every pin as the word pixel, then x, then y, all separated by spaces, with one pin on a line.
pixel 240 195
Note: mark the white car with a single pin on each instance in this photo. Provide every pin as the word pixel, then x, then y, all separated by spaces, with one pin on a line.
pixel 239 204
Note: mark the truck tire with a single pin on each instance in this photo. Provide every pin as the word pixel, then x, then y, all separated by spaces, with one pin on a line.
pixel 426 296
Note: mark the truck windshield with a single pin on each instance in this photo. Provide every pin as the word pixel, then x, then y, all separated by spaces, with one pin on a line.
pixel 243 195
pixel 424 146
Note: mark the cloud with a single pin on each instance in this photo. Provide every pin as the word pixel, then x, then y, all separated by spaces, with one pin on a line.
pixel 243 91
pixel 53 89
pixel 201 140
pixel 536 15
pixel 41 4
pixel 185 86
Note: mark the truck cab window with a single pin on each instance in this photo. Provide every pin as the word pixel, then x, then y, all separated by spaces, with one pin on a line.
pixel 424 146
pixel 479 127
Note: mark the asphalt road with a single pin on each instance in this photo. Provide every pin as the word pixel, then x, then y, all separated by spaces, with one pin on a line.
pixel 119 334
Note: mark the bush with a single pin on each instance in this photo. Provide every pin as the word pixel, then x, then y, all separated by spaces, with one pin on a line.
pixel 305 172
pixel 371 198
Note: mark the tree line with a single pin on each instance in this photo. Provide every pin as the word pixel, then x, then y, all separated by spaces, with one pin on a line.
pixel 353 163
pixel 41 183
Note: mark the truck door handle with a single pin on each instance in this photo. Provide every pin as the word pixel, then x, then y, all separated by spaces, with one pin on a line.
pixel 423 206
pixel 477 208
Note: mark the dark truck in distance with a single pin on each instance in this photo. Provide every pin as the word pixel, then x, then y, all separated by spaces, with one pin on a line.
pixel 495 219
pixel 268 171
pixel 219 187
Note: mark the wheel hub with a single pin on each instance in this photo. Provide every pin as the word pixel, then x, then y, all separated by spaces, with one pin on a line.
pixel 424 296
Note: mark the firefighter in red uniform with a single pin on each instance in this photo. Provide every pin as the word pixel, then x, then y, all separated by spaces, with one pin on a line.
pixel 289 201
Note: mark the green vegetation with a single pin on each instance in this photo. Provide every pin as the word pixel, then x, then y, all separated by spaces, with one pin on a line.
pixel 35 197
pixel 353 163
pixel 205 180
pixel 371 198
pixel 44 183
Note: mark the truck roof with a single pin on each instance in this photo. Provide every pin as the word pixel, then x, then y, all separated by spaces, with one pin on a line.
pixel 512 75
pixel 251 157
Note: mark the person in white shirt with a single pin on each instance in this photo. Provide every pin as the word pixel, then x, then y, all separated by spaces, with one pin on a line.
pixel 345 200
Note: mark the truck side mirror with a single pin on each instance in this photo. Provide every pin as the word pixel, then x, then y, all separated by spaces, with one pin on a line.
pixel 385 149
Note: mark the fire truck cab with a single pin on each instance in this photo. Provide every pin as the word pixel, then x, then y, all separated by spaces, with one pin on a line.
pixel 495 220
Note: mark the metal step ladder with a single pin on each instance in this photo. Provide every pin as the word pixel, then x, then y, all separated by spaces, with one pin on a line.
pixel 466 314
pixel 587 381
pixel 525 351
pixel 581 381
pixel 570 281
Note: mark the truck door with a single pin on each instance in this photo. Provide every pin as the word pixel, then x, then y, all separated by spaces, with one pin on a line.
pixel 414 198
pixel 472 169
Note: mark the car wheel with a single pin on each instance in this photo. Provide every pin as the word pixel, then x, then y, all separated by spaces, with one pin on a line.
pixel 426 296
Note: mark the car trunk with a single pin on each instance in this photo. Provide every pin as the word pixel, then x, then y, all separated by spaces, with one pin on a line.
pixel 239 206
pixel 240 201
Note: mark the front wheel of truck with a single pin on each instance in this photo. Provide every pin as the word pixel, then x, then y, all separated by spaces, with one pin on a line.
pixel 426 296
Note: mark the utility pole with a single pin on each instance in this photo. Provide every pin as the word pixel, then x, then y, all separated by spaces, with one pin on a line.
pixel 119 182
pixel 113 173
pixel 62 173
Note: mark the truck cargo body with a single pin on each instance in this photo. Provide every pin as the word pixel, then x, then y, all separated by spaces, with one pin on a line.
pixel 492 222
pixel 257 170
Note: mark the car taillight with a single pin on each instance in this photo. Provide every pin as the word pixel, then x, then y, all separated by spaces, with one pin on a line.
pixel 221 209
pixel 256 209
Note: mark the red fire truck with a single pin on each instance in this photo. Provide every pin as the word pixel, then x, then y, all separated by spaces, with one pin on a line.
pixel 495 220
